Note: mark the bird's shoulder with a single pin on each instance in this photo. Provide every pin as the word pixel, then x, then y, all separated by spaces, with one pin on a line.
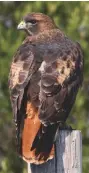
pixel 55 42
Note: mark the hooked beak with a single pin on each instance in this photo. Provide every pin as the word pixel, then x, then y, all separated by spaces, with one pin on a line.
pixel 22 25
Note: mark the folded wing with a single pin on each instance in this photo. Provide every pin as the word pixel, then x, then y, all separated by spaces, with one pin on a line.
pixel 60 82
pixel 23 66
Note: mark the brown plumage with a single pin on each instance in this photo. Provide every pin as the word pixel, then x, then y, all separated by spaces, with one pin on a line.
pixel 45 75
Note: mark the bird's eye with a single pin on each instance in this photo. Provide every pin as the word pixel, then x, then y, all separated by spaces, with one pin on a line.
pixel 33 21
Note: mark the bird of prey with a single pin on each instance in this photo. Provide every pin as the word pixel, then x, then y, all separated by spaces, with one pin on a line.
pixel 45 76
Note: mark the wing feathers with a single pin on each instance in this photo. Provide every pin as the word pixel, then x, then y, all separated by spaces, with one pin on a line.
pixel 60 85
pixel 22 68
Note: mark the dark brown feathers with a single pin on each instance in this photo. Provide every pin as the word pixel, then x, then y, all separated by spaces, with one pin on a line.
pixel 45 76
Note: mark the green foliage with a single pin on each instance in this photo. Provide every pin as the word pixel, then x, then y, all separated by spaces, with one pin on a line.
pixel 73 19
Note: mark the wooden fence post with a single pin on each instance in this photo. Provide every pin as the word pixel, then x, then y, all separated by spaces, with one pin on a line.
pixel 68 157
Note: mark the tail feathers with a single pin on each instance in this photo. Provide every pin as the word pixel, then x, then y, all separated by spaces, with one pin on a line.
pixel 38 136
pixel 43 141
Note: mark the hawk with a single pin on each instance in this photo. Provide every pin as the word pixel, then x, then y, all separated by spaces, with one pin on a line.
pixel 45 76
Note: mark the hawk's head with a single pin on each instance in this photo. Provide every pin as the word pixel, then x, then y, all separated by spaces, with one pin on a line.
pixel 34 23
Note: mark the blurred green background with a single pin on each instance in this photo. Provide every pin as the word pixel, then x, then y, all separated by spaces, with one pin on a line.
pixel 73 19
